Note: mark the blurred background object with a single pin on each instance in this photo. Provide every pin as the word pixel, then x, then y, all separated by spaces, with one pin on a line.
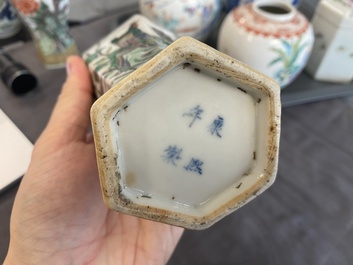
pixel 270 35
pixel 332 57
pixel 230 4
pixel 124 50
pixel 47 22
pixel 10 24
pixel 182 17
pixel 83 10
pixel 15 75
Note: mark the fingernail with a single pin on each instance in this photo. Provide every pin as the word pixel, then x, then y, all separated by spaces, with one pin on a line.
pixel 68 68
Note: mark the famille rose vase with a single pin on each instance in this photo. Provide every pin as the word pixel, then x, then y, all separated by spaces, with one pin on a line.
pixel 47 22
pixel 183 133
pixel 124 50
pixel 194 18
pixel 271 36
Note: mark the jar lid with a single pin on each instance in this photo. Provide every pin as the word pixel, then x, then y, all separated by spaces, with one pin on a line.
pixel 338 12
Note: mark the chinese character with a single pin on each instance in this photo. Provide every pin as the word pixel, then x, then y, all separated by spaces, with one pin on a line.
pixel 195 165
pixel 216 126
pixel 195 113
pixel 172 154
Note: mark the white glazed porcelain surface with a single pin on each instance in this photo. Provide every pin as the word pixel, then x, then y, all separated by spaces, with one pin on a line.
pixel 189 137
pixel 332 56
pixel 124 50
pixel 230 4
pixel 339 12
pixel 276 44
pixel 193 18
pixel 187 132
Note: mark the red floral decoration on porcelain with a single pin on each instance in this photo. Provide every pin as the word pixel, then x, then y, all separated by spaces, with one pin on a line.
pixel 246 18
pixel 26 7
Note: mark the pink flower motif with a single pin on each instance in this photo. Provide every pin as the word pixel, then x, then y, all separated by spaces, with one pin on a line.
pixel 26 7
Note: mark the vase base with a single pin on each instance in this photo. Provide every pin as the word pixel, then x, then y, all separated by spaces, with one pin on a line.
pixel 58 60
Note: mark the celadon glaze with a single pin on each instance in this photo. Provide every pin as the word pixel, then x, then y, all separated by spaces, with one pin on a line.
pixel 187 138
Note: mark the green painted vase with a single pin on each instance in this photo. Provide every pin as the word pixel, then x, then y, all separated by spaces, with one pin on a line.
pixel 47 22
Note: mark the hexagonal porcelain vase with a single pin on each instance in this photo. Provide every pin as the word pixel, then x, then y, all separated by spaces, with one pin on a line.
pixel 124 50
pixel 187 138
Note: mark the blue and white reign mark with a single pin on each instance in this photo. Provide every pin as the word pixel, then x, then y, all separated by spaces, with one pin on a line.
pixel 195 165
pixel 216 126
pixel 194 113
pixel 172 154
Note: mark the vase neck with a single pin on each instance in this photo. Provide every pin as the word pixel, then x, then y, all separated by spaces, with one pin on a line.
pixel 274 10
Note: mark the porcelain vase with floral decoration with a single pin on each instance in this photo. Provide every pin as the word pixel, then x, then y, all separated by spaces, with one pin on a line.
pixel 194 18
pixel 270 36
pixel 9 22
pixel 47 22
pixel 124 50
pixel 151 129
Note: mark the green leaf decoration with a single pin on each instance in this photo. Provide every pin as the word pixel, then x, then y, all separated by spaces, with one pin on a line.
pixel 277 60
pixel 101 66
pixel 288 55
pixel 287 46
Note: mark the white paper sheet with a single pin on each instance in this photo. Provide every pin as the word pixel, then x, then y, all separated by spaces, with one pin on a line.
pixel 15 152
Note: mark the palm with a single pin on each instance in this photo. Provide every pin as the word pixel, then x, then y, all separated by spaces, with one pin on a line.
pixel 59 216
pixel 69 220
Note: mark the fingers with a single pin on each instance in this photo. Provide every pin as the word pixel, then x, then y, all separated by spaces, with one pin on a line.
pixel 70 118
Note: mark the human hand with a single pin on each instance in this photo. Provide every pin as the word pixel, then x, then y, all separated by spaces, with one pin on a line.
pixel 59 216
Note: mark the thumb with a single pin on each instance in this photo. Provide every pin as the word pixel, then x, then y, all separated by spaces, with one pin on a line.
pixel 70 118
